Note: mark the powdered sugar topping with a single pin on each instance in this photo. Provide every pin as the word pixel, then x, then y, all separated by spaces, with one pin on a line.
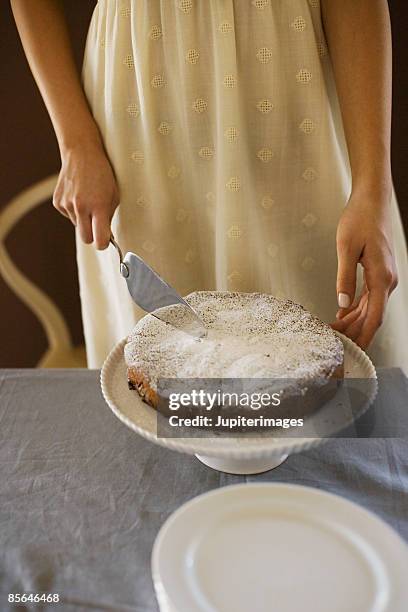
pixel 250 335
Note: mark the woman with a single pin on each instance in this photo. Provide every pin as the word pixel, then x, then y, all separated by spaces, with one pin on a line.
pixel 244 139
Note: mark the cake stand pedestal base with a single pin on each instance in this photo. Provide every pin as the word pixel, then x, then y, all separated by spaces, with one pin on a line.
pixel 242 466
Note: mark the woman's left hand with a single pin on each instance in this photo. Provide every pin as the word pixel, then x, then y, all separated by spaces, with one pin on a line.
pixel 364 236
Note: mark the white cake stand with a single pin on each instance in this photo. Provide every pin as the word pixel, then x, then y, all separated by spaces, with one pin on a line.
pixel 238 455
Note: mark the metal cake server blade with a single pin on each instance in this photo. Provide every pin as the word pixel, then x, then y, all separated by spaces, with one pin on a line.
pixel 152 293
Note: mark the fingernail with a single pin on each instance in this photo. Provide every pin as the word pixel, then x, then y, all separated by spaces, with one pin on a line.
pixel 343 300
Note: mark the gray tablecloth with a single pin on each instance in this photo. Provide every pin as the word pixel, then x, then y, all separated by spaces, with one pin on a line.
pixel 83 497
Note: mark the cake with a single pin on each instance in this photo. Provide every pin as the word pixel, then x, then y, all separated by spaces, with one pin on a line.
pixel 249 336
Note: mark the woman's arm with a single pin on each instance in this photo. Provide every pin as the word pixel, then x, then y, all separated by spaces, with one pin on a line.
pixel 86 191
pixel 359 40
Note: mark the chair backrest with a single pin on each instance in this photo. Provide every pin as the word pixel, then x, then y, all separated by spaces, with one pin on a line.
pixel 38 302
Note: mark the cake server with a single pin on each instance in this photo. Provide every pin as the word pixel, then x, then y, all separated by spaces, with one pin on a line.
pixel 152 293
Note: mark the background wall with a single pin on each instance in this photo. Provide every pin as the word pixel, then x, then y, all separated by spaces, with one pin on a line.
pixel 28 153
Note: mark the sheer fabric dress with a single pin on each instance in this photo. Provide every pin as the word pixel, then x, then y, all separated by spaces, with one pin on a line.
pixel 222 123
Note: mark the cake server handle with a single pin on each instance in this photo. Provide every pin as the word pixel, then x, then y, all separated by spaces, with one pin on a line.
pixel 124 270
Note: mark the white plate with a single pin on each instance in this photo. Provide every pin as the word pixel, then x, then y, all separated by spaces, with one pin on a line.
pixel 236 455
pixel 278 548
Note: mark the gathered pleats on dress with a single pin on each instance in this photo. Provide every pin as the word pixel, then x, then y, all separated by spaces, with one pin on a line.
pixel 222 123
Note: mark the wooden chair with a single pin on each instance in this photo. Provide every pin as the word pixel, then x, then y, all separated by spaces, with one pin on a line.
pixel 60 353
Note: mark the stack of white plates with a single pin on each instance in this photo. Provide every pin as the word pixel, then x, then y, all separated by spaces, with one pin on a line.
pixel 278 548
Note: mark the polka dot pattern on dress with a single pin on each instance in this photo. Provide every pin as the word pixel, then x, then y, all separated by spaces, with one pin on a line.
pixel 265 154
pixel 165 128
pixel 192 56
pixel 234 184
pixel 206 153
pixel 229 81
pixel 185 5
pixel 260 4
pixel 264 106
pixel 234 232
pixel 231 134
pixel 225 27
pixel 299 24
pixel 133 109
pixel 307 126
pixel 264 55
pixel 158 81
pixel 125 11
pixel 137 157
pixel 309 175
pixel 304 76
pixel 234 277
pixel 125 8
pixel 155 32
pixel 200 105
pixel 142 202
pixel 309 220
pixel 314 3
pixel 267 202
pixel 128 61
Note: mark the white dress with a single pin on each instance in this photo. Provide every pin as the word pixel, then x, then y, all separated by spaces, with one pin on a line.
pixel 221 121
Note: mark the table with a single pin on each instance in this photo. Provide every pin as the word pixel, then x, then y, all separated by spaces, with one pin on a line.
pixel 82 497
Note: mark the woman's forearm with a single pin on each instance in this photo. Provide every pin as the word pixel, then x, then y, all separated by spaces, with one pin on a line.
pixel 44 35
pixel 359 38
pixel 86 190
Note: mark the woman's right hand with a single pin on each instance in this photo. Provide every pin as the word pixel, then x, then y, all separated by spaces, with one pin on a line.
pixel 87 192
